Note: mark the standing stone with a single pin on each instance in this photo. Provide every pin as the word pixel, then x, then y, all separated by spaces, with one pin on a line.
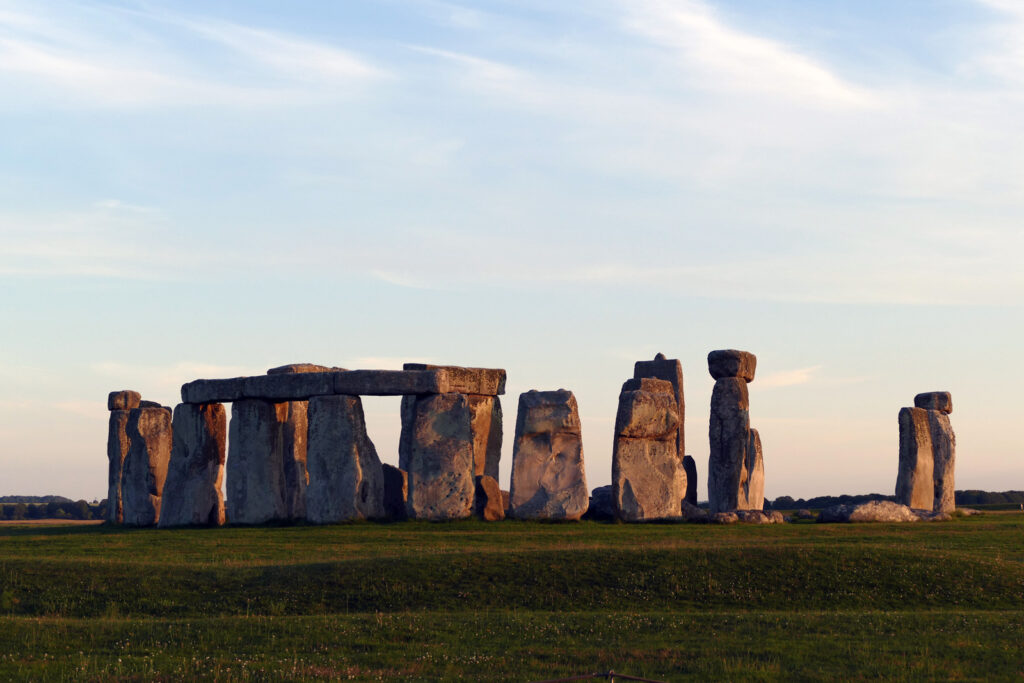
pixel 751 496
pixel 346 481
pixel 396 492
pixel 145 466
pixel 729 363
pixel 690 467
pixel 648 479
pixel 440 458
pixel 915 485
pixel 548 480
pixel 488 505
pixel 729 436
pixel 117 451
pixel 192 493
pixel 944 460
pixel 255 468
pixel 485 423
pixel 670 370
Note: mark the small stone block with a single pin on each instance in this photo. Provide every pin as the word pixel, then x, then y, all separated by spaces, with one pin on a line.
pixel 126 399
pixel 941 401
pixel 732 363
pixel 552 412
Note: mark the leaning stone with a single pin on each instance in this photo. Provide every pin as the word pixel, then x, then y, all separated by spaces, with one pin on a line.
pixel 690 467
pixel 871 511
pixel 192 492
pixel 670 370
pixel 396 492
pixel 915 486
pixel 935 400
pixel 117 451
pixel 943 461
pixel 732 363
pixel 692 513
pixel 724 518
pixel 729 435
pixel 482 381
pixel 440 459
pixel 751 495
pixel 488 504
pixel 601 507
pixel 256 489
pixel 126 399
pixel 346 480
pixel 145 467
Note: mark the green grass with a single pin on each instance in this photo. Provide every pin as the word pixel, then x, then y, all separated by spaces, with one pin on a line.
pixel 516 601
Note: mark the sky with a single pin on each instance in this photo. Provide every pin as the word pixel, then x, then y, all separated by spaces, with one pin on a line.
pixel 209 189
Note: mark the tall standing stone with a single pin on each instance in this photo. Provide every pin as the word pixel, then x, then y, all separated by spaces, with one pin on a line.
pixel 255 469
pixel 943 461
pixel 671 370
pixel 648 479
pixel 485 424
pixel 690 467
pixel 915 485
pixel 119 403
pixel 440 458
pixel 346 481
pixel 145 466
pixel 729 428
pixel 751 496
pixel 548 479
pixel 192 492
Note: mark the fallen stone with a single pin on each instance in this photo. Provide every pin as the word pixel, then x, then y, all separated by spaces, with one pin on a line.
pixel 482 381
pixel 754 517
pixel 915 486
pixel 729 436
pixel 670 370
pixel 692 513
pixel 126 399
pixel 871 511
pixel 943 461
pixel 117 451
pixel 751 495
pixel 690 467
pixel 256 491
pixel 933 516
pixel 548 478
pixel 777 517
pixel 440 458
pixel 192 491
pixel 145 466
pixel 396 492
pixel 941 401
pixel 732 363
pixel 804 513
pixel 724 518
pixel 346 480
pixel 601 507
pixel 488 505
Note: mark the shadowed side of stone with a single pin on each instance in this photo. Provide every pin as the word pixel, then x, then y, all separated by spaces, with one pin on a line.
pixel 125 399
pixel 943 460
pixel 145 466
pixel 192 492
pixel 941 401
pixel 117 451
pixel 255 466
pixel 727 363
pixel 440 458
pixel 915 486
pixel 751 496
pixel 690 467
pixel 488 504
pixel 396 492
pixel 729 437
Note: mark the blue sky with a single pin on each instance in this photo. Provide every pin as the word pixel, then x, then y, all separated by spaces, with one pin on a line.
pixel 199 189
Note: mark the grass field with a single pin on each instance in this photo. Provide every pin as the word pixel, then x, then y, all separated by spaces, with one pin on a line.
pixel 515 601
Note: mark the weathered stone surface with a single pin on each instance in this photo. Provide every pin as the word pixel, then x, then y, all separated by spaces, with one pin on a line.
pixel 648 478
pixel 396 492
pixel 933 516
pixel 126 399
pixel 212 390
pixel 915 486
pixel 943 461
pixel 602 506
pixel 346 480
pixel 488 505
pixel 192 491
pixel 255 467
pixel 872 511
pixel 506 502
pixel 149 404
pixel 777 517
pixel 117 451
pixel 729 435
pixel 293 368
pixel 304 385
pixel 935 400
pixel 487 434
pixel 732 363
pixel 724 517
pixel 482 381
pixel 548 479
pixel 690 467
pixel 145 467
pixel 671 370
pixel 692 513
pixel 754 517
pixel 294 441
pixel 751 494
pixel 289 386
pixel 440 458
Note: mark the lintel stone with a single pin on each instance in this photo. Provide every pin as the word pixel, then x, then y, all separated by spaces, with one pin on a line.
pixel 483 381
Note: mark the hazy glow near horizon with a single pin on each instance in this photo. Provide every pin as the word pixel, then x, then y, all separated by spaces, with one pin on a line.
pixel 194 190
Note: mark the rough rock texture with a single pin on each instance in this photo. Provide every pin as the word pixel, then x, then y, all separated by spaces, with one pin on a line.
pixel 671 370
pixel 192 491
pixel 872 511
pixel 729 435
pixel 943 460
pixel 724 517
pixel 486 424
pixel 732 363
pixel 933 516
pixel 145 467
pixel 915 486
pixel 483 381
pixel 601 507
pixel 150 404
pixel 117 451
pixel 255 468
pixel 760 517
pixel 506 502
pixel 440 458
pixel 941 401
pixel 396 492
pixel 648 478
pixel 126 399
pixel 751 495
pixel 294 441
pixel 346 480
pixel 548 479
pixel 690 467
pixel 692 513
pixel 488 504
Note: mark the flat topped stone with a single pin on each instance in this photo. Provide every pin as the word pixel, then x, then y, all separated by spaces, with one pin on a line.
pixel 293 368
pixel 126 399
pixel 732 363
pixel 941 401
pixel 484 381
pixel 305 385
pixel 649 384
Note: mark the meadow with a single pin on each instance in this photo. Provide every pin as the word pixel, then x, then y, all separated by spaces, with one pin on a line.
pixel 515 601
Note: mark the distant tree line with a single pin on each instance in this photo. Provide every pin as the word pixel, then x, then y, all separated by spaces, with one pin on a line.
pixel 963 498
pixel 71 509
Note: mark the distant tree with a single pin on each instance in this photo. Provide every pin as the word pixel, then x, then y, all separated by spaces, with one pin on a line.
pixel 36 511
pixel 53 507
pixel 784 503
pixel 80 510
pixel 20 511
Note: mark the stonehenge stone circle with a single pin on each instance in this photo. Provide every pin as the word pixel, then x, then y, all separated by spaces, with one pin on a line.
pixel 648 479
pixel 192 491
pixel 145 466
pixel 669 369
pixel 396 492
pixel 690 467
pixel 548 479
pixel 346 481
pixel 927 460
pixel 488 505
pixel 255 466
pixel 440 458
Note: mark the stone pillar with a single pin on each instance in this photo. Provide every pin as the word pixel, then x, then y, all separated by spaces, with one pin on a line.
pixel 939 405
pixel 751 496
pixel 440 458
pixel 670 370
pixel 255 467
pixel 346 481
pixel 145 466
pixel 690 467
pixel 548 480
pixel 119 403
pixel 915 485
pixel 648 479
pixel 729 428
pixel 192 493
pixel 485 423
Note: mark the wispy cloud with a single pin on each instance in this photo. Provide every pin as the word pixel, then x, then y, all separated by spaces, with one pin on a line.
pixel 789 378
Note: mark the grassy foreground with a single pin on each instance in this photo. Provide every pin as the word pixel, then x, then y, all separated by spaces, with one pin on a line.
pixel 515 601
